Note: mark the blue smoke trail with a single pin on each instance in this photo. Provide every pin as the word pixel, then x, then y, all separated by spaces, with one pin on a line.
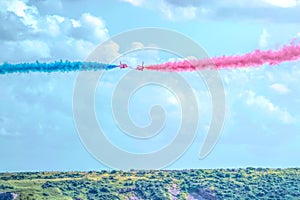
pixel 58 66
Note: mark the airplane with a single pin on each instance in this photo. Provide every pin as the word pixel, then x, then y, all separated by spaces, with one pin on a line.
pixel 140 67
pixel 122 66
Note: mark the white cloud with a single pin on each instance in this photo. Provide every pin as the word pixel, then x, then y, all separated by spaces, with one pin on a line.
pixel 95 24
pixel 17 7
pixel 168 10
pixel 257 10
pixel 173 100
pixel 83 47
pixel 261 102
pixel 289 76
pixel 27 35
pixel 35 104
pixel 178 13
pixel 189 12
pixel 280 88
pixel 137 45
pixel 282 4
pixel 25 50
pixel 109 51
pixel 134 2
pixel 35 48
pixel 89 27
pixel 22 10
pixel 75 23
pixel 54 22
pixel 263 39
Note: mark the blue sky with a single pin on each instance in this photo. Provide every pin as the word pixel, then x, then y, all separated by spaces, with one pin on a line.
pixel 37 130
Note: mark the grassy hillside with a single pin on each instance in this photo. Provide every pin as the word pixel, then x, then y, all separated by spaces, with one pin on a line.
pixel 249 183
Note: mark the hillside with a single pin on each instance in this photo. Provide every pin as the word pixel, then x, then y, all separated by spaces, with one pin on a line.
pixel 249 183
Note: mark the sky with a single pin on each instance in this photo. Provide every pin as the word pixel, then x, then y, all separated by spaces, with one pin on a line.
pixel 37 129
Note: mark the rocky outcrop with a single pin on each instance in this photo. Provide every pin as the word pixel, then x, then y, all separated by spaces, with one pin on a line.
pixel 202 194
pixel 8 196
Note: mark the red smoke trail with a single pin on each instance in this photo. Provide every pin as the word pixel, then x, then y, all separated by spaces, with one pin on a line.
pixel 253 59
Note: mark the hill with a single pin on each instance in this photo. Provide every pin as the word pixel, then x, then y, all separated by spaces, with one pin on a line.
pixel 248 183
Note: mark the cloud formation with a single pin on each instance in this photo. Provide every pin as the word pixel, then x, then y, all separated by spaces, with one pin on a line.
pixel 134 2
pixel 280 88
pixel 263 39
pixel 35 104
pixel 178 13
pixel 261 102
pixel 31 33
pixel 259 10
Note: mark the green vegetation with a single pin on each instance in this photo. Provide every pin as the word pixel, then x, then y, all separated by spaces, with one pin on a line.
pixel 249 183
